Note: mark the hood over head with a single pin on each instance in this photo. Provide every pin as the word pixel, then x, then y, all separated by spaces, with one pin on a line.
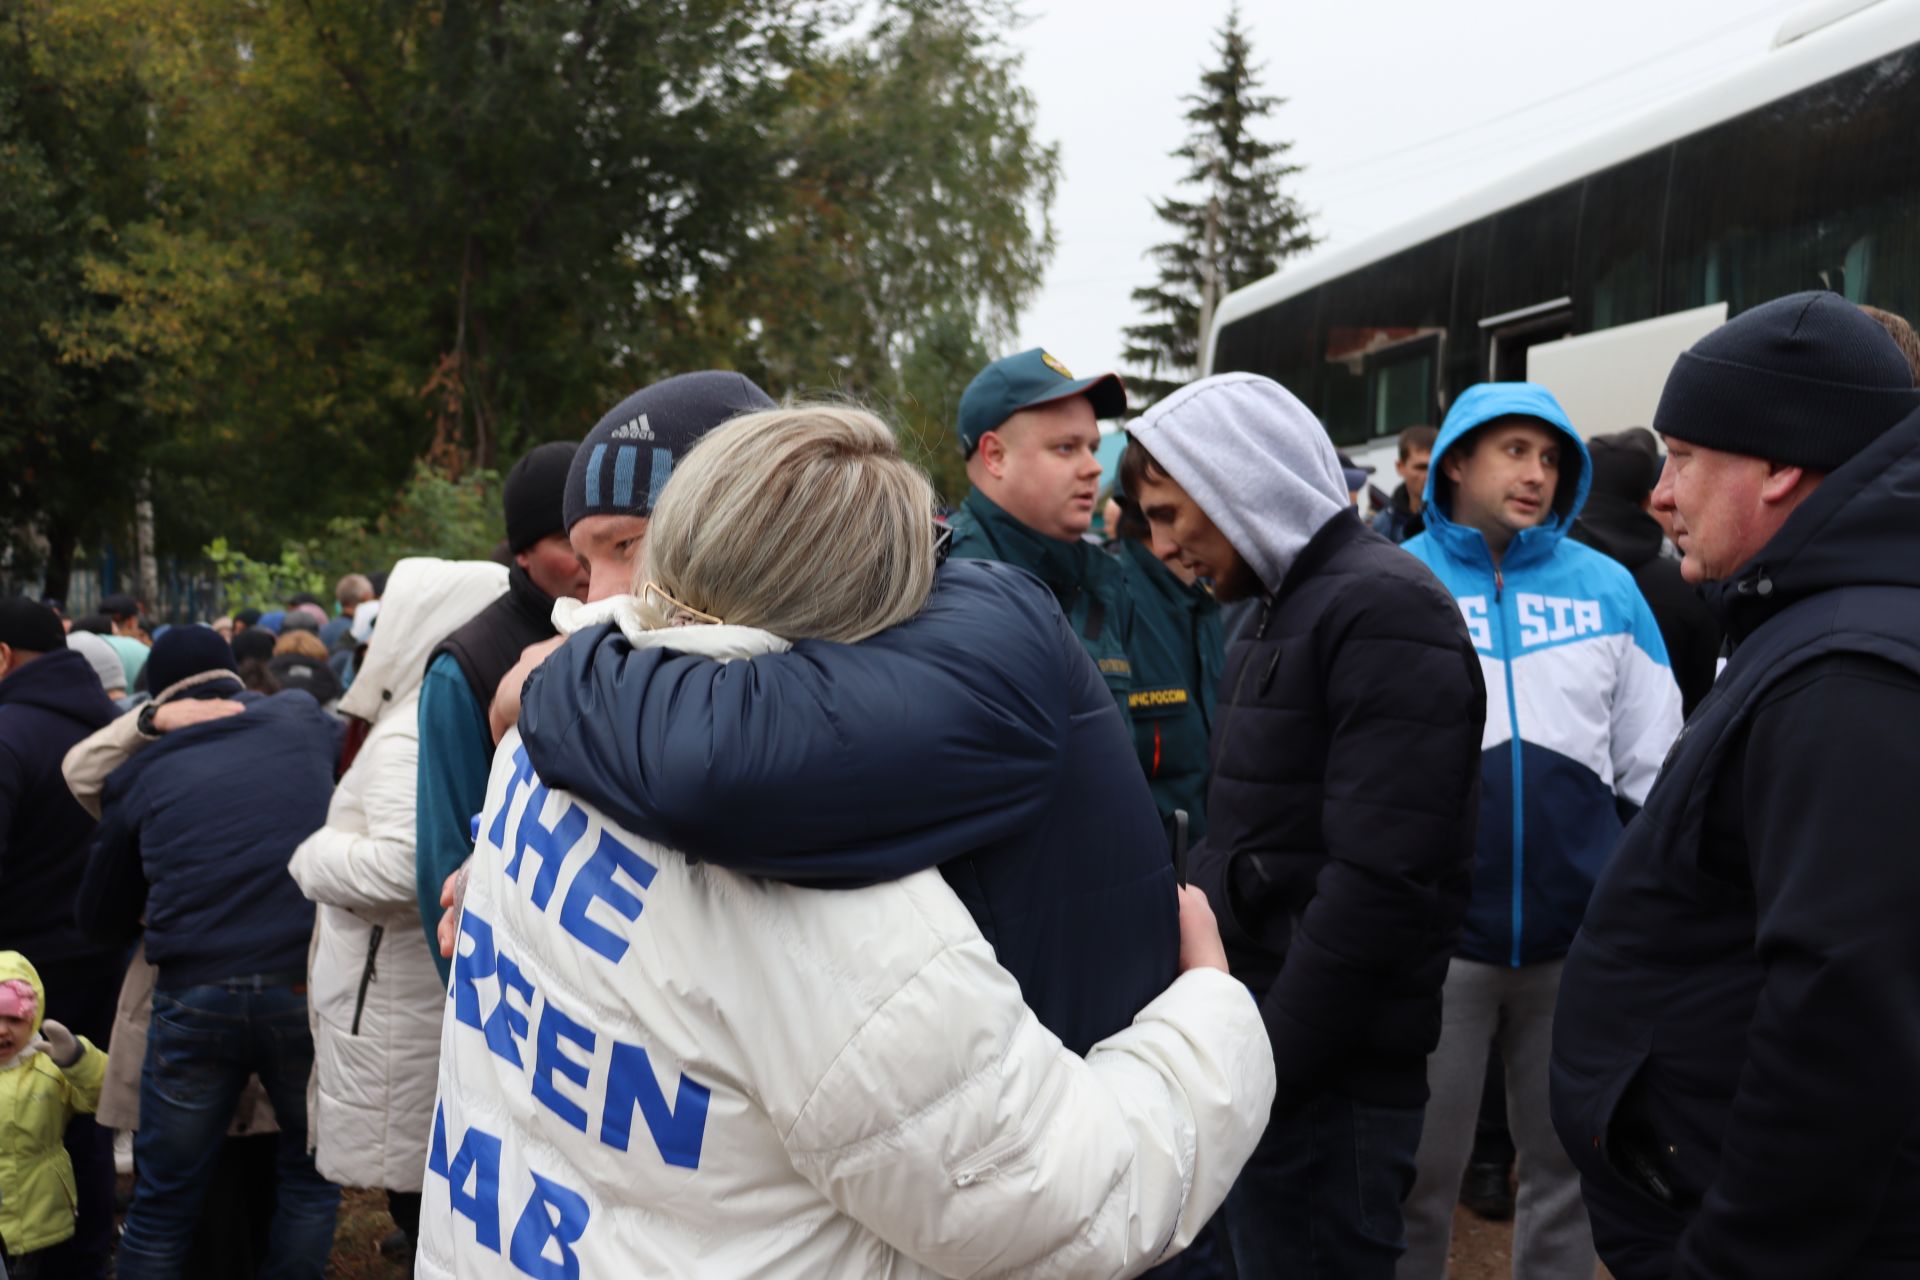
pixel 1488 402
pixel 101 657
pixel 426 601
pixel 1258 463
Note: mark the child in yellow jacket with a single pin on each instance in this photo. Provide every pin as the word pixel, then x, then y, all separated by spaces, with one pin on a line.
pixel 47 1074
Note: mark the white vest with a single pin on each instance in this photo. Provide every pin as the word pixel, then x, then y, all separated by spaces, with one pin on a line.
pixel 651 1067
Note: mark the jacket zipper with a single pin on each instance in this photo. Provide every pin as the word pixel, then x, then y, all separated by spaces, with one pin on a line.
pixel 989 1162
pixel 366 975
pixel 1226 725
pixel 1519 792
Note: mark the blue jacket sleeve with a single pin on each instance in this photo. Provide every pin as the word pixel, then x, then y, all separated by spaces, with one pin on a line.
pixel 832 765
pixel 456 750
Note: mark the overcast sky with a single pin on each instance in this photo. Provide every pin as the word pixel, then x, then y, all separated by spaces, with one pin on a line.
pixel 1393 106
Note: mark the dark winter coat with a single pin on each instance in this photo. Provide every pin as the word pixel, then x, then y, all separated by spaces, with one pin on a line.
pixel 1628 534
pixel 977 738
pixel 196 832
pixel 1736 1060
pixel 1342 815
pixel 1399 521
pixel 45 707
pixel 489 645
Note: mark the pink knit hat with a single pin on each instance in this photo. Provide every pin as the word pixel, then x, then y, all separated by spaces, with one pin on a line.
pixel 17 999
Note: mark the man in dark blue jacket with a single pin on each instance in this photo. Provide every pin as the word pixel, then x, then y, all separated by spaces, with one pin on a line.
pixel 195 835
pixel 977 738
pixel 50 699
pixel 1736 1061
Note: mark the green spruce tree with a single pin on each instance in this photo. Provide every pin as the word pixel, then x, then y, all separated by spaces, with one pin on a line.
pixel 1240 225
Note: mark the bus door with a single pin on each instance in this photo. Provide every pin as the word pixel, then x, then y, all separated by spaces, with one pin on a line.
pixel 1506 338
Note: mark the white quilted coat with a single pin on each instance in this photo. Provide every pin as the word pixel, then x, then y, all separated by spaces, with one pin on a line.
pixel 374 994
pixel 657 1068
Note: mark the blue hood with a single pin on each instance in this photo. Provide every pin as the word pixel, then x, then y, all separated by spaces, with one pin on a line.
pixel 1479 405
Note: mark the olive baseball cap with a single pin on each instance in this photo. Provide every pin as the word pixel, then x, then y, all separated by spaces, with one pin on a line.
pixel 1027 381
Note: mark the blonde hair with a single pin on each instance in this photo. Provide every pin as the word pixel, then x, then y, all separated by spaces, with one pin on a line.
pixel 805 521
pixel 304 643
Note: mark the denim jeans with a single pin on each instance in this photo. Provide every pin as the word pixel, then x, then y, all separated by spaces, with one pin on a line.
pixel 203 1044
pixel 1320 1200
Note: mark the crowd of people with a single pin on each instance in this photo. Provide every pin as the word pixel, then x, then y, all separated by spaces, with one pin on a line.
pixel 757 870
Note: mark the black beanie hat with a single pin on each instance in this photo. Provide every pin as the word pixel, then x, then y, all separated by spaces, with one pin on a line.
pixel 254 642
pixel 30 626
pixel 624 462
pixel 533 493
pixel 1806 380
pixel 1623 466
pixel 186 651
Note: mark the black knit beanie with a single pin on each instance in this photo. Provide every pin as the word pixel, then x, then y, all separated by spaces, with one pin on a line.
pixel 1623 467
pixel 186 651
pixel 625 461
pixel 533 493
pixel 30 626
pixel 254 642
pixel 1806 380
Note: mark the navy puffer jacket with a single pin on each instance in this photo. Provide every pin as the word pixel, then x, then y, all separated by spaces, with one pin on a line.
pixel 45 707
pixel 196 831
pixel 978 738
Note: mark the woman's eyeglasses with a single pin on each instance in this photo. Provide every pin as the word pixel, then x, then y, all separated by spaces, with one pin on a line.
pixel 682 614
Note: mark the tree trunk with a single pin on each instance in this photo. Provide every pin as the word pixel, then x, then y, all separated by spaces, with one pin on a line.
pixel 61 541
pixel 1209 274
pixel 146 565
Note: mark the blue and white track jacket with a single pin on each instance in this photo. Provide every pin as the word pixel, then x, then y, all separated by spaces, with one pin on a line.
pixel 1581 703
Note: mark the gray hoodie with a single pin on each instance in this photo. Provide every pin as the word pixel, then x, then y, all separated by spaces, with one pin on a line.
pixel 1258 463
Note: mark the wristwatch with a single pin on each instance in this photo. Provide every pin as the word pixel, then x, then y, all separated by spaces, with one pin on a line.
pixel 145 723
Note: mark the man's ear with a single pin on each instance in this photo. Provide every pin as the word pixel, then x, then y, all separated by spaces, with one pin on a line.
pixel 992 451
pixel 1781 483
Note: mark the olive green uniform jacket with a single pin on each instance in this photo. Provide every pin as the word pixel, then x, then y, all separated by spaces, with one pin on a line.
pixel 1084 579
pixel 1178 647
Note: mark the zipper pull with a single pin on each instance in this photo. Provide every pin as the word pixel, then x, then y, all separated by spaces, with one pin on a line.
pixel 1498 583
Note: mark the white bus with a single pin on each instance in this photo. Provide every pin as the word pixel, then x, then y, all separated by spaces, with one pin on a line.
pixel 1592 271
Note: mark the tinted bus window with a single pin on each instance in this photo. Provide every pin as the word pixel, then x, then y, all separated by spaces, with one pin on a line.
pixel 1466 350
pixel 1383 337
pixel 1617 266
pixel 1815 191
pixel 1277 342
pixel 1531 258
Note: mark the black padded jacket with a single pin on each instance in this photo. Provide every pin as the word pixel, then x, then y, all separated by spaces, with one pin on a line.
pixel 1343 810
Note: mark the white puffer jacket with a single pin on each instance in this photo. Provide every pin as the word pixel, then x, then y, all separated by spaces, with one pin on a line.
pixel 652 1067
pixel 374 994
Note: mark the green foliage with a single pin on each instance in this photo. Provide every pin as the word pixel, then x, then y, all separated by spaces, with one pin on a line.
pixel 72 170
pixel 246 583
pixel 433 516
pixel 273 253
pixel 1239 228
